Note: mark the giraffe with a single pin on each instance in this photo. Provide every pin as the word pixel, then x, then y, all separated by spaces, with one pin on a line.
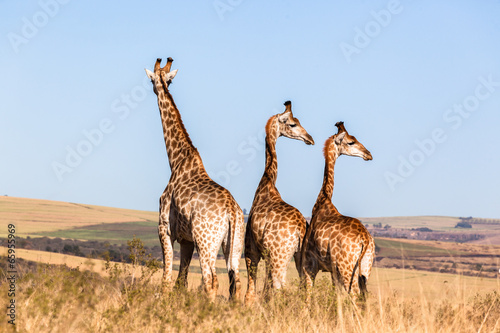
pixel 274 229
pixel 336 243
pixel 194 210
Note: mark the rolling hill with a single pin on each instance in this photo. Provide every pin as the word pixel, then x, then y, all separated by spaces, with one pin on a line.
pixel 39 218
pixel 34 217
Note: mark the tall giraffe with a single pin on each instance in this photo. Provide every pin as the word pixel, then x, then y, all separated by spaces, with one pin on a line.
pixel 194 210
pixel 274 228
pixel 335 243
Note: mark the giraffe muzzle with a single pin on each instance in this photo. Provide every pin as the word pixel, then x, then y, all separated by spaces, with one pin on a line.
pixel 308 140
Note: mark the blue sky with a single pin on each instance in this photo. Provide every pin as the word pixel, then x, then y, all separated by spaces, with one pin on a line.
pixel 417 82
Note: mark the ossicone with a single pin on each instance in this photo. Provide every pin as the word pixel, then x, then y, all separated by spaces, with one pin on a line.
pixel 288 106
pixel 340 126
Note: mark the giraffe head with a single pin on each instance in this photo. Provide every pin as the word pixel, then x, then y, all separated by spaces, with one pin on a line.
pixel 346 144
pixel 161 76
pixel 290 127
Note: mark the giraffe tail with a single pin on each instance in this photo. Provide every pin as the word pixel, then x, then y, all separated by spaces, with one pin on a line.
pixel 362 279
pixel 305 243
pixel 358 265
pixel 235 249
pixel 362 284
pixel 231 238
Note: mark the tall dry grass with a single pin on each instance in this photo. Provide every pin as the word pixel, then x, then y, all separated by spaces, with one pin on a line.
pixel 54 298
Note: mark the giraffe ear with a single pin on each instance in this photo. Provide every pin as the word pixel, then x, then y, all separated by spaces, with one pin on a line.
pixel 170 75
pixel 150 74
pixel 339 138
pixel 284 116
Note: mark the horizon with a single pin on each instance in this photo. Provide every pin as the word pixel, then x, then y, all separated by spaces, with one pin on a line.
pixel 418 84
pixel 306 216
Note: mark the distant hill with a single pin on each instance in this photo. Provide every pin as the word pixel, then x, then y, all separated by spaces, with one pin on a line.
pixel 104 225
pixel 441 223
pixel 34 216
pixel 444 228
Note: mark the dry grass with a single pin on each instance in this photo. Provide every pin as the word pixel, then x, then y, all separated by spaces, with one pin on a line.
pixel 407 283
pixel 73 294
pixel 384 281
pixel 58 299
pixel 54 298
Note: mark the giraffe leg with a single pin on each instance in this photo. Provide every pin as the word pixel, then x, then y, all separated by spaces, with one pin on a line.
pixel 276 266
pixel 309 277
pixel 166 237
pixel 187 249
pixel 347 270
pixel 278 273
pixel 234 284
pixel 337 280
pixel 252 263
pixel 252 258
pixel 309 271
pixel 309 265
pixel 280 258
pixel 337 270
pixel 268 282
pixel 168 254
pixel 215 282
pixel 296 259
pixel 209 276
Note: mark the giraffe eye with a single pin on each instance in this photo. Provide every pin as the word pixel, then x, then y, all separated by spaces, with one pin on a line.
pixel 293 125
pixel 351 143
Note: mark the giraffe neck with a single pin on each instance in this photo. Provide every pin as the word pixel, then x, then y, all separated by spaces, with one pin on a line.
pixel 331 154
pixel 266 190
pixel 177 139
pixel 271 169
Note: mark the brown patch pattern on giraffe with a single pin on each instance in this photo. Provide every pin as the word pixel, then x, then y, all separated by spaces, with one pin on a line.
pixel 336 243
pixel 274 229
pixel 194 210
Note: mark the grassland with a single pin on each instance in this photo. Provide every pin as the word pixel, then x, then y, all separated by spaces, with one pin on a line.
pixel 405 282
pixel 65 293
pixel 457 258
pixel 116 226
pixel 53 298
pixel 34 216
pixel 415 248
pixel 114 233
pixel 402 248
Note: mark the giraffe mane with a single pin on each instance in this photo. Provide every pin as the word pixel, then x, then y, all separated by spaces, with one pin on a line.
pixel 183 128
pixel 178 114
pixel 326 153
pixel 269 124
